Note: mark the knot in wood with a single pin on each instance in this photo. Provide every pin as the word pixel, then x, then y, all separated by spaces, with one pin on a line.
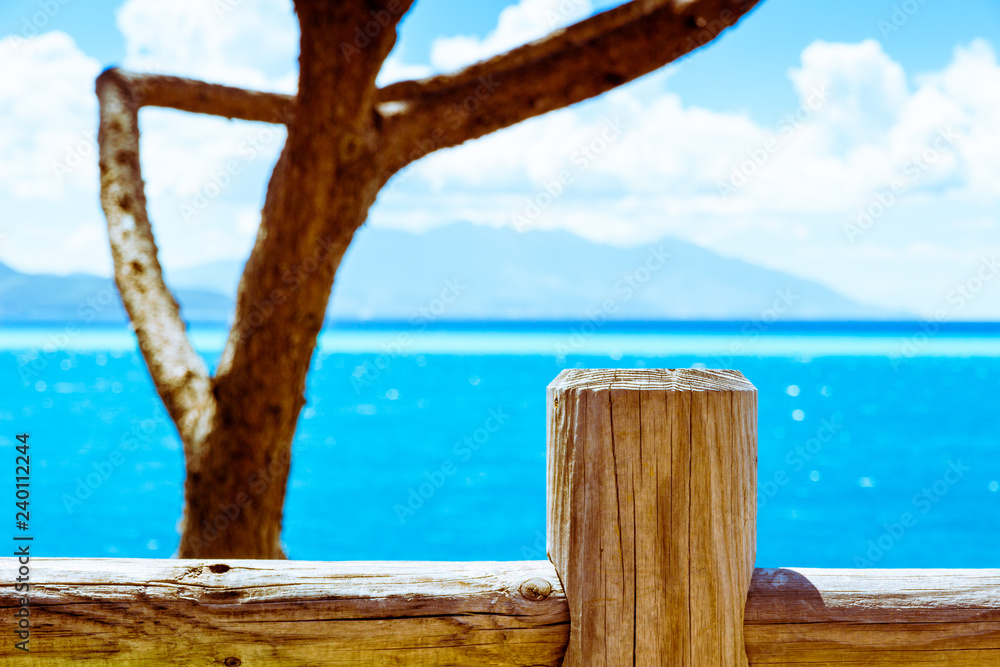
pixel 351 146
pixel 535 589
pixel 232 662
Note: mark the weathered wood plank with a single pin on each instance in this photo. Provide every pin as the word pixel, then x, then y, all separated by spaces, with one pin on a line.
pixel 272 613
pixel 855 618
pixel 176 612
pixel 652 521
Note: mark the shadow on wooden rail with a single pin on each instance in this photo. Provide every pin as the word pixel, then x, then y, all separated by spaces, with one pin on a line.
pixel 651 536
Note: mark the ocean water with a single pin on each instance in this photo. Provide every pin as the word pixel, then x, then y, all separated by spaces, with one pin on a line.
pixel 878 446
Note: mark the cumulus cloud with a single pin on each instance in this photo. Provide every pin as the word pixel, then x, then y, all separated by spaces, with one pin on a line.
pixel 47 136
pixel 858 128
pixel 967 93
pixel 211 166
pixel 48 123
pixel 778 193
pixel 518 24
pixel 240 43
pixel 867 88
pixel 394 69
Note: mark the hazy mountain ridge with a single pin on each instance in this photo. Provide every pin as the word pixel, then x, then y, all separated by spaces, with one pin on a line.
pixel 468 272
pixel 88 299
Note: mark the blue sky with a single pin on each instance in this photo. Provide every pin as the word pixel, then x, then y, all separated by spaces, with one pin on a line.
pixel 838 101
pixel 746 70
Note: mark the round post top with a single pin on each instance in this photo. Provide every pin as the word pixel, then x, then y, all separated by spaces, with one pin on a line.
pixel 652 379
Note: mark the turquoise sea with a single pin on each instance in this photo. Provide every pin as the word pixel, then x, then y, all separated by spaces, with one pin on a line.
pixel 879 445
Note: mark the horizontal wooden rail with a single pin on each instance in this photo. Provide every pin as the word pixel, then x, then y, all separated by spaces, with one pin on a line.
pixel 257 613
pixel 267 613
pixel 873 617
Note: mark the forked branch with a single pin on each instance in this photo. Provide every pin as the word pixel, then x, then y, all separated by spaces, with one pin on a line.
pixel 178 372
pixel 174 92
pixel 570 65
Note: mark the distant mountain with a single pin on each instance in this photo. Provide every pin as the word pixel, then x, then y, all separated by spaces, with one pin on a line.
pixel 85 299
pixel 557 275
pixel 467 272
pixel 220 277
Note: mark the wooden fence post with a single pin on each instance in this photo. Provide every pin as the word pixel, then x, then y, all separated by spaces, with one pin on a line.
pixel 652 513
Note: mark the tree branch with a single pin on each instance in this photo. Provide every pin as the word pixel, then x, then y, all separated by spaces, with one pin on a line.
pixel 569 66
pixel 174 92
pixel 178 372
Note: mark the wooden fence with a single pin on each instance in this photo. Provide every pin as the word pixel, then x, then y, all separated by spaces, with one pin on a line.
pixel 651 536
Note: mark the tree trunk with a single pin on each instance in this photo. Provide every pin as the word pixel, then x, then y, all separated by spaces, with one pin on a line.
pixel 346 138
pixel 322 187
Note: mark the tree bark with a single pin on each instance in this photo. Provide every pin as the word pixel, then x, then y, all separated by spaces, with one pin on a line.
pixel 323 184
pixel 346 138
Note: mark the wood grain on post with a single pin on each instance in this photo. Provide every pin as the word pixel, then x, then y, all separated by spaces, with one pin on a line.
pixel 652 513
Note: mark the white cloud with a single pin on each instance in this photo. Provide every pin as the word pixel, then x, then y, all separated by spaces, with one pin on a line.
pixel 47 136
pixel 48 122
pixel 48 174
pixel 866 87
pixel 518 24
pixel 861 127
pixel 858 129
pixel 394 69
pixel 967 93
pixel 239 43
